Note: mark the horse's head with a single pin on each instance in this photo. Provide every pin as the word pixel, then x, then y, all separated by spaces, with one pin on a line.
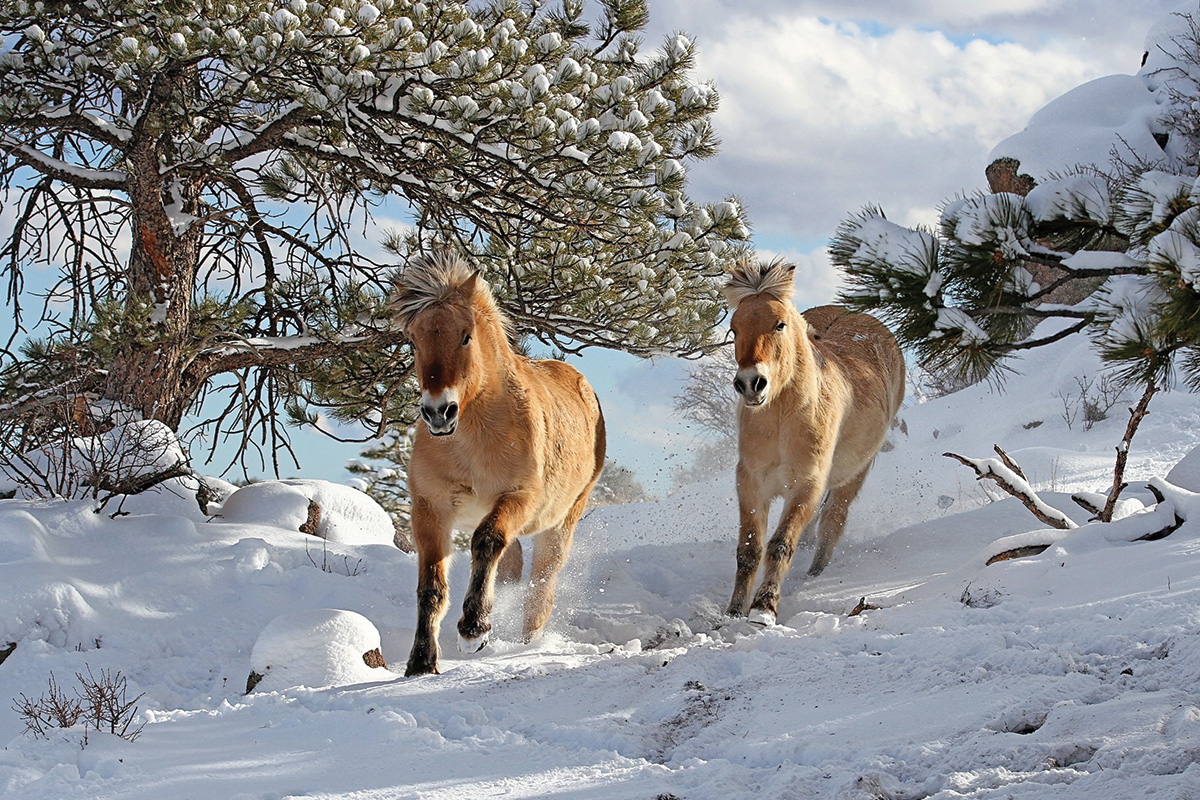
pixel 764 325
pixel 436 306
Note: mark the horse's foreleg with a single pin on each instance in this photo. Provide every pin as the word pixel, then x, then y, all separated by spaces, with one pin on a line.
pixel 433 546
pixel 796 515
pixel 833 520
pixel 752 528
pixel 509 516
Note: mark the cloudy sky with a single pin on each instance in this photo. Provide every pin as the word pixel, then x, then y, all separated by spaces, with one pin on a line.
pixel 829 105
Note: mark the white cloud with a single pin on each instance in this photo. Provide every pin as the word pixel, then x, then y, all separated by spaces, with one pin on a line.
pixel 826 107
pixel 820 118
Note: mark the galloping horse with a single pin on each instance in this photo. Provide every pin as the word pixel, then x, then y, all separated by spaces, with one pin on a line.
pixel 510 447
pixel 818 392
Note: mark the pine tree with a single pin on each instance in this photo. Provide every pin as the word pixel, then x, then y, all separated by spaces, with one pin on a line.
pixel 1113 253
pixel 963 298
pixel 201 175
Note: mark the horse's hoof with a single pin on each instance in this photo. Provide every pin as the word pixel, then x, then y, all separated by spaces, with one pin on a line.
pixel 473 644
pixel 762 617
pixel 413 670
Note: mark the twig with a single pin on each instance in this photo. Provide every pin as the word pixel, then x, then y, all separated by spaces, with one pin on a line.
pixel 1008 462
pixel 1136 414
pixel 1166 530
pixel 1087 505
pixel 862 606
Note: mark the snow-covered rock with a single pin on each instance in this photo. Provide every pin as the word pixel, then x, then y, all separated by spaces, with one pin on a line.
pixel 316 648
pixel 1085 126
pixel 346 515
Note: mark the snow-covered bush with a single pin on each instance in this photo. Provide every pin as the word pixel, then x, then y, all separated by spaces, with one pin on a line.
pixel 125 459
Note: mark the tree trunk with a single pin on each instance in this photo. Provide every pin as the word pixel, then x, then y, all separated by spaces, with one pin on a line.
pixel 146 373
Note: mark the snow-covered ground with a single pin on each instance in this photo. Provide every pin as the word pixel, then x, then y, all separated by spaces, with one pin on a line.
pixel 1074 673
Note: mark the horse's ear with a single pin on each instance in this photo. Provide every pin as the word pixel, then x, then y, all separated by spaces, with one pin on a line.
pixel 470 285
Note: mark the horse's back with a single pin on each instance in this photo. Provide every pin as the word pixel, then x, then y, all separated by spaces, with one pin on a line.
pixel 575 423
pixel 565 384
pixel 864 347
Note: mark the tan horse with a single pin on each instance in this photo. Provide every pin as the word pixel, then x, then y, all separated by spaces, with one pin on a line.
pixel 818 392
pixel 511 447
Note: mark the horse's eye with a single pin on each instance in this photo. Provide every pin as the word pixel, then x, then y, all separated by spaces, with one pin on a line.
pixel 466 340
pixel 781 326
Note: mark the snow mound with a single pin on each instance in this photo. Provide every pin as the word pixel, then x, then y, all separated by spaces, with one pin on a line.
pixel 316 648
pixel 347 516
pixel 1085 126
pixel 1186 474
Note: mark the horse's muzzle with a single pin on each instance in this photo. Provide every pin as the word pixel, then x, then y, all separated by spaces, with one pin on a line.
pixel 751 385
pixel 440 415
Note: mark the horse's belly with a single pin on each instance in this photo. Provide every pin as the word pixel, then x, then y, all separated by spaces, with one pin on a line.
pixel 470 511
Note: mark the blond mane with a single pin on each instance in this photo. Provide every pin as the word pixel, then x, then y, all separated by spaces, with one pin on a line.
pixel 748 278
pixel 431 278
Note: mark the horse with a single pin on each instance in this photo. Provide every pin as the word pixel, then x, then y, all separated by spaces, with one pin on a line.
pixel 511 447
pixel 817 393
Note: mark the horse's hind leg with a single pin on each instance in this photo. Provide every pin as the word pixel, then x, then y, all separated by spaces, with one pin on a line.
pixel 512 562
pixel 550 550
pixel 833 520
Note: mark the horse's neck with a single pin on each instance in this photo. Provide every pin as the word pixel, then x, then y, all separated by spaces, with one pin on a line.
pixel 812 369
pixel 499 366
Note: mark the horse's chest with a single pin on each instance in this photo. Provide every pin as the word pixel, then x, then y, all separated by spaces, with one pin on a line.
pixel 468 508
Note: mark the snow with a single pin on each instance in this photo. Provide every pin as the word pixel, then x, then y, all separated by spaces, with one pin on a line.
pixel 982 220
pixel 1176 246
pixel 1071 673
pixel 883 241
pixel 1067 198
pixel 1099 260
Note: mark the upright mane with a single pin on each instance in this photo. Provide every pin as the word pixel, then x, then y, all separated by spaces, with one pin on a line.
pixel 748 278
pixel 432 278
